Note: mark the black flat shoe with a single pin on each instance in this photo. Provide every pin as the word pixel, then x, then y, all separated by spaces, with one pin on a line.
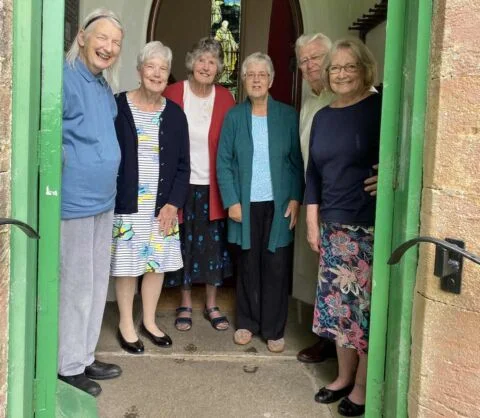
pixel 82 382
pixel 347 408
pixel 99 370
pixel 164 341
pixel 325 395
pixel 134 348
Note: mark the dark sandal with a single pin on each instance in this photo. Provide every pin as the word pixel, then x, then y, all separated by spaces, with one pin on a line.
pixel 215 321
pixel 183 320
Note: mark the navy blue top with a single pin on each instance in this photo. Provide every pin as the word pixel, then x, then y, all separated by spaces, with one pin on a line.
pixel 174 147
pixel 91 154
pixel 344 145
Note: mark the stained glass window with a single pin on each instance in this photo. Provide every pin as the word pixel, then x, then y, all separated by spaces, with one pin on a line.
pixel 225 28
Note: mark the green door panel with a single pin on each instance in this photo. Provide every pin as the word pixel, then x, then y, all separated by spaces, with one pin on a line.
pixel 398 207
pixel 24 198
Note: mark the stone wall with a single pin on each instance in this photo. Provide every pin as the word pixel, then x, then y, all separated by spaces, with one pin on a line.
pixel 5 136
pixel 445 369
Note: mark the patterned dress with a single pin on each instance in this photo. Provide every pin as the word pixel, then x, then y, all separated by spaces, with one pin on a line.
pixel 138 247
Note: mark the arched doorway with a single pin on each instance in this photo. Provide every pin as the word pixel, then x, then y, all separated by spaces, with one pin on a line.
pixel 271 28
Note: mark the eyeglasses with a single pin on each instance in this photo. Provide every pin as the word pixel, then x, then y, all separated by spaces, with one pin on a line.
pixel 337 69
pixel 314 59
pixel 260 76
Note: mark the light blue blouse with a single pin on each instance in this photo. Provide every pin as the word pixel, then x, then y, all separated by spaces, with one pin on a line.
pixel 261 190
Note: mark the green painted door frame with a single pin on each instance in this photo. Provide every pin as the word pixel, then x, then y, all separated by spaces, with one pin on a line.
pixel 398 204
pixel 50 145
pixel 24 204
pixel 33 388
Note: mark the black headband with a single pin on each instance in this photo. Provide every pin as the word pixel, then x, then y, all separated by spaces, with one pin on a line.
pixel 93 19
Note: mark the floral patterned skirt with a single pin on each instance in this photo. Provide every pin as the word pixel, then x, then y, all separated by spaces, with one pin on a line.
pixel 342 304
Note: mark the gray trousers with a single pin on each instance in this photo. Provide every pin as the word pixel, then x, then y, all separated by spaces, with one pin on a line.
pixel 85 246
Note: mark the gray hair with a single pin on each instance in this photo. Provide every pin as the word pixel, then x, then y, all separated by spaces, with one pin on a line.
pixel 154 49
pixel 306 39
pixel 204 46
pixel 111 73
pixel 363 56
pixel 258 57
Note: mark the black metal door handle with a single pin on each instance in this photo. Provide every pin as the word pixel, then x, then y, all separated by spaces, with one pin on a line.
pixel 22 225
pixel 449 254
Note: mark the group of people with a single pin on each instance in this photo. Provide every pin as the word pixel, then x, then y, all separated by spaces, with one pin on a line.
pixel 157 180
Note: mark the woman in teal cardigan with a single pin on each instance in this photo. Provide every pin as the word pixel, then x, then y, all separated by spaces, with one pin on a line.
pixel 260 176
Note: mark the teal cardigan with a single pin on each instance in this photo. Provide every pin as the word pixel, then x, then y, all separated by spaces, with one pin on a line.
pixel 234 168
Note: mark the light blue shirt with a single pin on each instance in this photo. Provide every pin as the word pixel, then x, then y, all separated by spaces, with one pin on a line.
pixel 91 154
pixel 261 190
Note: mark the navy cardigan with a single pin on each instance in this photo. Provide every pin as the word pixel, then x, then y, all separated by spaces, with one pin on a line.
pixel 173 142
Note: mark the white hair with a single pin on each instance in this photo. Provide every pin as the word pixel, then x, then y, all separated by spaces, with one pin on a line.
pixel 111 73
pixel 152 50
pixel 258 57
pixel 306 39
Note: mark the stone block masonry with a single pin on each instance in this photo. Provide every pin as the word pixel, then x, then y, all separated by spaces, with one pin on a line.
pixel 6 7
pixel 444 378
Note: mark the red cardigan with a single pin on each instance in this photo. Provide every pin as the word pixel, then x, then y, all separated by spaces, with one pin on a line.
pixel 224 101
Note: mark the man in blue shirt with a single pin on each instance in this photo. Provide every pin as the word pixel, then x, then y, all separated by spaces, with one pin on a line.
pixel 91 157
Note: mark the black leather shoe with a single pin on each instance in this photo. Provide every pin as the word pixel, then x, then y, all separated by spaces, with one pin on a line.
pixel 325 395
pixel 347 408
pixel 102 371
pixel 164 341
pixel 82 382
pixel 318 352
pixel 134 348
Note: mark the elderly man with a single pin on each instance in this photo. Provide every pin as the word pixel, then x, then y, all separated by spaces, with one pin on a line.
pixel 311 51
pixel 91 156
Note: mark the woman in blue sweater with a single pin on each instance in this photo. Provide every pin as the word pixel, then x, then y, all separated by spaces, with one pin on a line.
pixel 344 145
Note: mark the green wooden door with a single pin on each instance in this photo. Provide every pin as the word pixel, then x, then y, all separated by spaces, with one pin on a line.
pixel 398 206
pixel 24 204
pixel 33 388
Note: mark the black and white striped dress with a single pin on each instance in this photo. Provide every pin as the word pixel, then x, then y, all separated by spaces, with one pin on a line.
pixel 137 246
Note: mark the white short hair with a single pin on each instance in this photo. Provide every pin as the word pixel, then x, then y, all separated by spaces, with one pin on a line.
pixel 308 38
pixel 152 50
pixel 258 57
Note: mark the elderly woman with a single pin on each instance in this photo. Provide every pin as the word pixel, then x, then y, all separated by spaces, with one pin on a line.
pixel 90 164
pixel 152 184
pixel 203 233
pixel 344 146
pixel 260 174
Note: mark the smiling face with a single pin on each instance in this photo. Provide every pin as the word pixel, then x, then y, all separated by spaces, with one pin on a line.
pixel 205 69
pixel 257 80
pixel 154 74
pixel 348 81
pixel 100 47
pixel 310 61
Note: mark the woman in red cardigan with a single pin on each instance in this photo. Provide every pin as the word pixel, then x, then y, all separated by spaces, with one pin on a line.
pixel 203 234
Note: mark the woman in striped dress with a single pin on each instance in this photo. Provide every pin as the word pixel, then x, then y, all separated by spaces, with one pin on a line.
pixel 152 184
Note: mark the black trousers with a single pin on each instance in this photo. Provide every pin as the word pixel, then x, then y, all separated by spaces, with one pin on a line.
pixel 263 282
